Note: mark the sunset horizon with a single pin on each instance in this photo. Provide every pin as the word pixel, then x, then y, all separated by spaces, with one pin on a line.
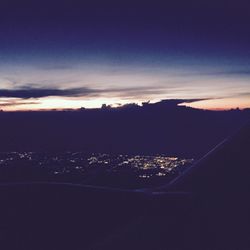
pixel 206 104
pixel 62 55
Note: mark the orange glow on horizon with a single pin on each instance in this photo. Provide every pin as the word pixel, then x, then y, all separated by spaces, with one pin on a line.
pixel 54 103
pixel 221 104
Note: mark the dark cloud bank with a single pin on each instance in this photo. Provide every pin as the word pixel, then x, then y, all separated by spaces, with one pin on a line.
pixel 35 93
pixel 26 93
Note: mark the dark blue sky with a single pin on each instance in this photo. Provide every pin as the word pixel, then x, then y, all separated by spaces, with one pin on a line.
pixel 197 27
pixel 180 49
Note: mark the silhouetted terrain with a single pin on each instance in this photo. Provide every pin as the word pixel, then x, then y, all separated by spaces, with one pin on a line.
pixel 205 209
pixel 163 127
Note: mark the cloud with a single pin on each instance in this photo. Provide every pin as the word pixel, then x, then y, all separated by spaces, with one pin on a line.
pixel 16 103
pixel 33 92
pixel 245 94
pixel 176 102
pixel 130 93
pixel 229 72
pixel 179 101
pixel 28 92
pixel 236 72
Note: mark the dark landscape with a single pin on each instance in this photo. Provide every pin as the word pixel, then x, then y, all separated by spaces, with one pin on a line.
pixel 206 205
pixel 57 199
pixel 160 128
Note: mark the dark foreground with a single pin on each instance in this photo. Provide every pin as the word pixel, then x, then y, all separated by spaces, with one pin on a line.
pixel 207 207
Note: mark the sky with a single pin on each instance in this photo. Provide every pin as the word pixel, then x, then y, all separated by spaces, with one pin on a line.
pixel 72 54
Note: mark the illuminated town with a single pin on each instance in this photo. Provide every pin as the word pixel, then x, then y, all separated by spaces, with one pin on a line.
pixel 126 171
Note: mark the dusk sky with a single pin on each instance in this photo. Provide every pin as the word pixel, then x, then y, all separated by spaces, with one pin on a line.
pixel 72 54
